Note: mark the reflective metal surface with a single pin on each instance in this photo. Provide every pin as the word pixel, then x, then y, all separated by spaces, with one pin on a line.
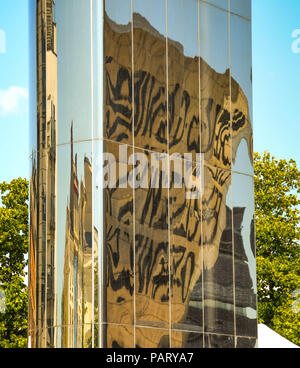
pixel 183 77
pixel 215 86
pixel 141 187
pixel 242 8
pixel 244 251
pixel 241 95
pixel 118 336
pixel 150 77
pixel 118 283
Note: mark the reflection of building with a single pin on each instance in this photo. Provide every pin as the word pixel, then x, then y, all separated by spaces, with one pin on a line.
pixel 143 267
pixel 77 286
pixel 43 180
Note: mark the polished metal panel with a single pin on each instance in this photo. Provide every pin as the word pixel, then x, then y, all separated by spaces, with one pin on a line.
pixel 150 78
pixel 215 341
pixel 183 77
pixel 152 281
pixel 218 252
pixel 97 70
pixel 242 8
pixel 118 71
pixel 215 86
pixel 118 283
pixel 74 69
pixel 246 343
pixel 186 246
pixel 241 95
pixel 32 252
pixel 222 4
pixel 33 142
pixel 185 340
pixel 152 338
pixel 244 255
pixel 74 243
pixel 141 186
pixel 118 336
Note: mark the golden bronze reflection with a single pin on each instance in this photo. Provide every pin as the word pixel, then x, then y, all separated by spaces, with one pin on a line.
pixel 197 226
pixel 43 181
pixel 167 266
pixel 77 307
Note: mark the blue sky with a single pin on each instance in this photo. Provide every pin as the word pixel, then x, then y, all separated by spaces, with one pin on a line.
pixel 13 90
pixel 276 82
pixel 276 78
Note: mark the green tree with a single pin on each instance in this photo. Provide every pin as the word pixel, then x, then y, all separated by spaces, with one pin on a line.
pixel 277 188
pixel 13 250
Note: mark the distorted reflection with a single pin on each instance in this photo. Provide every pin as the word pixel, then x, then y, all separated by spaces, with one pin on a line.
pixel 118 237
pixel 185 340
pixel 118 74
pixel 148 266
pixel 77 285
pixel 150 83
pixel 245 270
pixel 241 94
pixel 43 180
pixel 152 253
pixel 118 336
pixel 151 338
pixel 218 254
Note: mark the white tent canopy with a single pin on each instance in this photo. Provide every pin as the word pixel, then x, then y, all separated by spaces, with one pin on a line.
pixel 268 338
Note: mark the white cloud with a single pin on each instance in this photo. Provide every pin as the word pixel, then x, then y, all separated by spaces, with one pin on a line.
pixel 2 42
pixel 12 99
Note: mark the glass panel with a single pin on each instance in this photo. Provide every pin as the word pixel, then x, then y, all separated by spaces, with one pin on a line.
pixel 186 340
pixel 74 70
pixel 118 71
pixel 186 241
pixel 214 77
pixel 183 77
pixel 118 237
pixel 118 336
pixel 244 256
pixel 150 86
pixel 74 252
pixel 241 7
pixel 218 257
pixel 150 338
pixel 241 95
pixel 151 242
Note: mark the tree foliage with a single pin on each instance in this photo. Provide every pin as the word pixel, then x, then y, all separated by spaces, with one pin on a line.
pixel 13 250
pixel 277 188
